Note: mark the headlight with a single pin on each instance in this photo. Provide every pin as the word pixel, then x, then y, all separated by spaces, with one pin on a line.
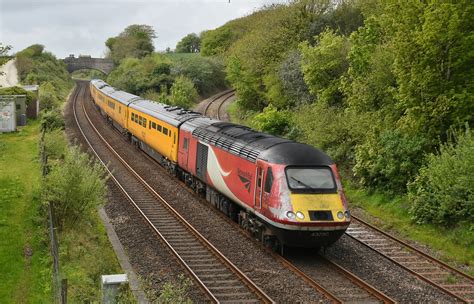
pixel 291 215
pixel 348 214
pixel 300 215
pixel 340 215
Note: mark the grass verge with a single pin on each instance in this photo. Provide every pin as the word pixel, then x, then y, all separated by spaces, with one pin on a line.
pixel 392 214
pixel 24 253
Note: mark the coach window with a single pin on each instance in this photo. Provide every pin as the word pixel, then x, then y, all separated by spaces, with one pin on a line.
pixel 144 122
pixel 153 125
pixel 165 131
pixel 268 181
pixel 120 109
pixel 159 128
pixel 132 117
pixel 174 138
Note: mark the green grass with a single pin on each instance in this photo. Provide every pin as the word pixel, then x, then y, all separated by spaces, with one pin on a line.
pixel 24 256
pixel 392 214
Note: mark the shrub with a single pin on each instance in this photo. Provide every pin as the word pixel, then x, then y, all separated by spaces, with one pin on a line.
pixel 48 98
pixel 75 188
pixel 443 191
pixel 183 93
pixel 52 120
pixel 388 159
pixel 272 121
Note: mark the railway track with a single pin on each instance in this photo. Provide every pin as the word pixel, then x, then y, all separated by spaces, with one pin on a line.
pixel 425 267
pixel 347 287
pixel 213 111
pixel 219 279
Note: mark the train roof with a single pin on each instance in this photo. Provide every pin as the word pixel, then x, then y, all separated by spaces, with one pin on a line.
pixel 120 96
pixel 253 145
pixel 175 116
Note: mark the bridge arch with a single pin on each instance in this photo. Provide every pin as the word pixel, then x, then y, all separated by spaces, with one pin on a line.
pixel 87 62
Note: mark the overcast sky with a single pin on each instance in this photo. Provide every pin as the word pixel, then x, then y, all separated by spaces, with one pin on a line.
pixel 82 26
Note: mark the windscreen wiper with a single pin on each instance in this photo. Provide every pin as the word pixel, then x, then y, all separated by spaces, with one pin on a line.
pixel 301 182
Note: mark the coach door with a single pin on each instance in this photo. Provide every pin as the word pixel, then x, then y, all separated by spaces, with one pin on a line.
pixel 258 187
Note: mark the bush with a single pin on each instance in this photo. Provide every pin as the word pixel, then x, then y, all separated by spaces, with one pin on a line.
pixel 272 121
pixel 75 188
pixel 48 98
pixel 52 120
pixel 183 93
pixel 389 159
pixel 443 191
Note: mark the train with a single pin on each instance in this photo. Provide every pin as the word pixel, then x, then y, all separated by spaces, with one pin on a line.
pixel 285 193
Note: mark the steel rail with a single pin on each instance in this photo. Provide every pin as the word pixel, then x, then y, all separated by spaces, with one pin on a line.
pixel 452 290
pixel 216 98
pixel 221 103
pixel 244 279
pixel 315 285
pixel 357 281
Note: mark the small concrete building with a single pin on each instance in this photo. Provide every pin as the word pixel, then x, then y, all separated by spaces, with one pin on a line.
pixel 7 114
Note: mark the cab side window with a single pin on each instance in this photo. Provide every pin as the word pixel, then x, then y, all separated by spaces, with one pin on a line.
pixel 268 181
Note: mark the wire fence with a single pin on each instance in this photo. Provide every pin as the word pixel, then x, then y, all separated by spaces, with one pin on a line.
pixel 59 287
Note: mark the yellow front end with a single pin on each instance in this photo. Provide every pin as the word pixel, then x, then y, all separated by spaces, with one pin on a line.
pixel 317 207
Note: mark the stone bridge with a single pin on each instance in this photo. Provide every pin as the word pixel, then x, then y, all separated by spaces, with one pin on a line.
pixel 87 62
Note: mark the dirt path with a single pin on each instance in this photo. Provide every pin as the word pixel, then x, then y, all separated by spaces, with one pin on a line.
pixel 9 77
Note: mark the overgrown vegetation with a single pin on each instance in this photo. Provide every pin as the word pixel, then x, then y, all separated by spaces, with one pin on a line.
pixel 169 78
pixel 73 184
pixel 24 254
pixel 36 66
pixel 378 85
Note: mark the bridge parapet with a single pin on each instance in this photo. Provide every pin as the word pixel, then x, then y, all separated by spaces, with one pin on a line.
pixel 87 62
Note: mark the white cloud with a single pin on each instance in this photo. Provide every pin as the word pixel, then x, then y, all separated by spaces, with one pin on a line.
pixel 82 26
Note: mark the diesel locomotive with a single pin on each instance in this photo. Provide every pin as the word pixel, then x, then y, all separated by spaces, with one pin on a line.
pixel 285 193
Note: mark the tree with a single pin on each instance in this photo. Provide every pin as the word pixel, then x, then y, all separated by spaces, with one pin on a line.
pixel 135 41
pixel 4 49
pixel 324 64
pixel 183 93
pixel 74 188
pixel 190 43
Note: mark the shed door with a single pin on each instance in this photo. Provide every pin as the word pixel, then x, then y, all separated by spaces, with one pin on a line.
pixel 201 161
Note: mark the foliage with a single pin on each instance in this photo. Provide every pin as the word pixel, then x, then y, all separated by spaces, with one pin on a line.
pixel 388 159
pixel 272 121
pixel 75 188
pixel 206 73
pixel 175 293
pixel 323 65
pixel 24 257
pixel 35 66
pixel 55 145
pixel 4 49
pixel 140 75
pixel 443 191
pixel 158 72
pixel 135 41
pixel 48 98
pixel 18 91
pixel 190 43
pixel 183 93
pixel 52 120
pixel 294 88
pixel 86 74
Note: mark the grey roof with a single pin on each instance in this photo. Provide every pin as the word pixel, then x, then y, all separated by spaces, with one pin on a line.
pixel 172 115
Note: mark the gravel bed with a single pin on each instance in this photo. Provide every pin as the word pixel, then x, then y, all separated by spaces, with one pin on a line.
pixel 277 281
pixel 152 261
pixel 281 284
pixel 381 273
